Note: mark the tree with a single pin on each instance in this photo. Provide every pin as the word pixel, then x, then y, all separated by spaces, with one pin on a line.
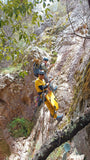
pixel 14 28
pixel 61 137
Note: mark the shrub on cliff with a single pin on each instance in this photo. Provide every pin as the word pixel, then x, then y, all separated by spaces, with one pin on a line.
pixel 20 127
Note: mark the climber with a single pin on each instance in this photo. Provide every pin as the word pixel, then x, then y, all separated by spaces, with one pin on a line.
pixel 36 67
pixel 41 86
pixel 44 66
pixel 42 89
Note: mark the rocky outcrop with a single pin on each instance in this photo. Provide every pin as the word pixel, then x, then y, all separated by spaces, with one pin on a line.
pixel 82 104
pixel 14 99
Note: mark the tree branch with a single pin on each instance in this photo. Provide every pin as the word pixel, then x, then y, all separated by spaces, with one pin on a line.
pixel 61 137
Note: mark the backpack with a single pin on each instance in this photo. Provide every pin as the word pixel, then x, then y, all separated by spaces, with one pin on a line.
pixel 36 68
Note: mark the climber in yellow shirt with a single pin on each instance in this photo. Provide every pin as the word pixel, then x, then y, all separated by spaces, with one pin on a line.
pixel 42 90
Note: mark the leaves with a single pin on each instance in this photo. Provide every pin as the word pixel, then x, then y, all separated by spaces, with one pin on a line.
pixel 34 17
pixel 44 4
pixel 20 36
pixel 40 17
pixel 23 73
pixel 13 25
pixel 20 127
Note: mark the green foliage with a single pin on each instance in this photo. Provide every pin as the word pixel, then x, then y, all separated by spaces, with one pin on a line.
pixel 54 57
pixel 44 4
pixel 20 127
pixel 55 53
pixel 11 69
pixel 53 60
pixel 14 28
pixel 23 73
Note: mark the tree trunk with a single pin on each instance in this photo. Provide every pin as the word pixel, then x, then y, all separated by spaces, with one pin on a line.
pixel 60 137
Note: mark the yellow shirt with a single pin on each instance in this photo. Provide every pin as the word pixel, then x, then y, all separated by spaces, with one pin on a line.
pixel 39 82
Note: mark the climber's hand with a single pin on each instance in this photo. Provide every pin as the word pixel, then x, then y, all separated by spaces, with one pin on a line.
pixel 47 84
pixel 50 80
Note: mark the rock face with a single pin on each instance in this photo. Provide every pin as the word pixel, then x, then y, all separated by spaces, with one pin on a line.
pixel 4 147
pixel 14 96
pixel 17 93
pixel 75 157
pixel 17 100
pixel 70 73
pixel 82 104
pixel 74 65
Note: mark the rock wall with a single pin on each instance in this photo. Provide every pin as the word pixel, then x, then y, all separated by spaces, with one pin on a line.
pixel 17 99
pixel 17 93
pixel 81 105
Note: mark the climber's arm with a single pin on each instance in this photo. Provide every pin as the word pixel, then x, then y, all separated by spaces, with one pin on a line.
pixel 43 87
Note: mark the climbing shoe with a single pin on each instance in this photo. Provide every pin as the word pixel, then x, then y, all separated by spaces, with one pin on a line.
pixel 59 118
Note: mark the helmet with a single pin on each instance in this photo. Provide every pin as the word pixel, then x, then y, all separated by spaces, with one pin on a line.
pixel 67 147
pixel 41 72
pixel 45 59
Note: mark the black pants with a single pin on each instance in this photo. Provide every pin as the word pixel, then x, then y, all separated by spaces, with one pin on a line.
pixel 41 99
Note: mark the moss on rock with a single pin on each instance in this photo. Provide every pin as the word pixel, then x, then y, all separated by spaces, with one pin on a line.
pixel 86 84
pixel 81 91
